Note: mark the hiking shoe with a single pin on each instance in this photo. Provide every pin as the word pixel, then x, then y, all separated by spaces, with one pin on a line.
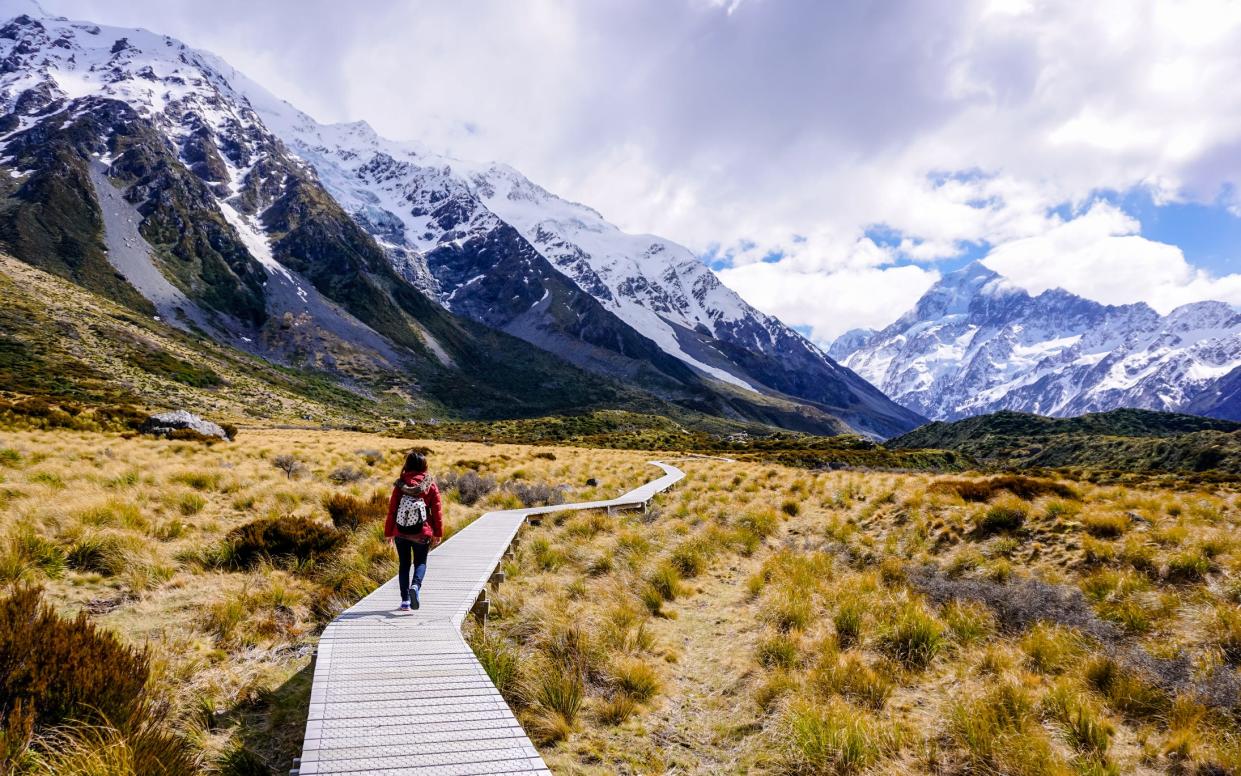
pixel 413 598
pixel 405 606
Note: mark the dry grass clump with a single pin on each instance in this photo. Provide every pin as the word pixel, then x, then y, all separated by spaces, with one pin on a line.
pixel 833 738
pixel 1022 487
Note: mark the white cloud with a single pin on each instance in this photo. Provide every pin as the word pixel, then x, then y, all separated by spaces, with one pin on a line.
pixel 830 303
pixel 742 124
pixel 1101 256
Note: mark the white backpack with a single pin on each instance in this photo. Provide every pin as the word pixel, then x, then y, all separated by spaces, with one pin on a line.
pixel 411 513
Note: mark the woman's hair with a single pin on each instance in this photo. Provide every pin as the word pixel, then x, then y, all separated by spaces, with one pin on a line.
pixel 416 463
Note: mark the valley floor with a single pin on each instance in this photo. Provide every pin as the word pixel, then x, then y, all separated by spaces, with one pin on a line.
pixel 760 619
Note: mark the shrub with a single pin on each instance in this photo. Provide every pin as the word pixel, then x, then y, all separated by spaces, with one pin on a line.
pixel 536 494
pixel 545 455
pixel 54 670
pixel 1019 603
pixel 469 486
pixel 271 538
pixel 346 475
pixel 349 513
pixel 914 636
pixel 289 464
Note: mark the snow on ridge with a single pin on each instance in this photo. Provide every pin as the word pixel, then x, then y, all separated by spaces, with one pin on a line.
pixel 951 356
pixel 652 284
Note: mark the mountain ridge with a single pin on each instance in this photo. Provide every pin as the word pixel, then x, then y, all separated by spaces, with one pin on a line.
pixel 975 343
pixel 292 243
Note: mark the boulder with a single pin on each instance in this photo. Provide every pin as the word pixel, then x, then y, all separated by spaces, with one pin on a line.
pixel 167 422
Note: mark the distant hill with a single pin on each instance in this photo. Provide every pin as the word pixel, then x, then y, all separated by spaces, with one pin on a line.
pixel 1122 440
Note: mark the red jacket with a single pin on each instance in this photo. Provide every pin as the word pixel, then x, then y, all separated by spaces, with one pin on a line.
pixel 434 526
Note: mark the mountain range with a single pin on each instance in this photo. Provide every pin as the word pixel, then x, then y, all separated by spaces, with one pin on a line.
pixel 162 178
pixel 975 343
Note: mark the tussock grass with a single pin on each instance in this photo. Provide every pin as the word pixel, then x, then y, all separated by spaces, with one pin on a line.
pixel 833 738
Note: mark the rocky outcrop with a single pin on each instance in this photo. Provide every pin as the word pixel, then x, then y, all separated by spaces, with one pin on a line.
pixel 167 423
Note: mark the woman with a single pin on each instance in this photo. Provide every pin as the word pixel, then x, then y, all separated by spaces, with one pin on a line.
pixel 415 524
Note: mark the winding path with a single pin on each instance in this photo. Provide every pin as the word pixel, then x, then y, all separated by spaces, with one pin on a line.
pixel 398 693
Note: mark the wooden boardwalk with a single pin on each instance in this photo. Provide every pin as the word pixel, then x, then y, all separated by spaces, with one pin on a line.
pixel 398 693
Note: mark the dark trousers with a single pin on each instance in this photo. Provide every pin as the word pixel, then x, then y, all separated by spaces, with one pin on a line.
pixel 407 552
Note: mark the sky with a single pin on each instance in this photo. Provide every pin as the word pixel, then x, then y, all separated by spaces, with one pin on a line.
pixel 830 160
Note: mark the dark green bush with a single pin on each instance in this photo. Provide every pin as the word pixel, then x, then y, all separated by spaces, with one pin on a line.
pixel 273 538
pixel 349 513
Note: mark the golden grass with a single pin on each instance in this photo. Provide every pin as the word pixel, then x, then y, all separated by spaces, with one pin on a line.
pixel 870 628
pixel 125 528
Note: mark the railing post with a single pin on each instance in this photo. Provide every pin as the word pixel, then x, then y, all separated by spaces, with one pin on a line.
pixel 481 608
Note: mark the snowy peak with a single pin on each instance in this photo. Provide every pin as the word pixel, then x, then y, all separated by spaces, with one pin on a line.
pixel 253 216
pixel 974 343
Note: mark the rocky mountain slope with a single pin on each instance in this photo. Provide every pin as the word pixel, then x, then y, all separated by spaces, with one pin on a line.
pixel 160 176
pixel 975 343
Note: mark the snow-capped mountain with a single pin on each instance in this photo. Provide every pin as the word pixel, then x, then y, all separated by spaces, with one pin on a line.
pixel 445 223
pixel 975 343
pixel 160 175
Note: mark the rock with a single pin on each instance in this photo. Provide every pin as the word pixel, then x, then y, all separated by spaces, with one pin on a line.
pixel 167 422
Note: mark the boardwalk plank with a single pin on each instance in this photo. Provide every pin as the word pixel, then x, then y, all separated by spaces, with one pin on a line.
pixel 398 693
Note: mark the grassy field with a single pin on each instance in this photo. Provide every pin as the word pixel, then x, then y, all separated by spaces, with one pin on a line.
pixel 141 535
pixel 761 619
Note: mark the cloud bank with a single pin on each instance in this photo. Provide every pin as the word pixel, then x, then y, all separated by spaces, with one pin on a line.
pixel 836 155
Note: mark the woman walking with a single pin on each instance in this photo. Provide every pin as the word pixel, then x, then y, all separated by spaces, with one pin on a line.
pixel 415 525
